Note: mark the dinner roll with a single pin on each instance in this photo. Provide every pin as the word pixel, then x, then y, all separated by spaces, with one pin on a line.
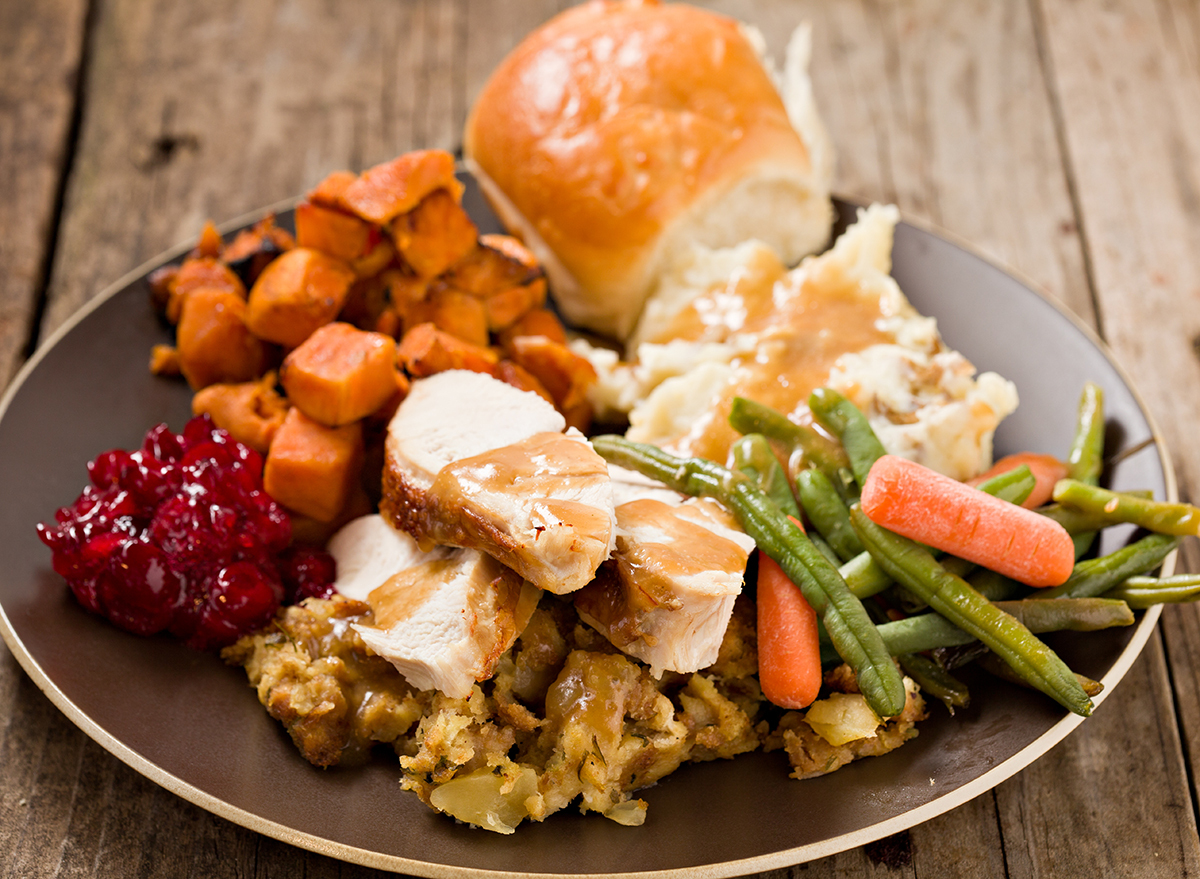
pixel 621 133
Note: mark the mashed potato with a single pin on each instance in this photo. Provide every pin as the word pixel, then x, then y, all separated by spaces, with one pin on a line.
pixel 736 322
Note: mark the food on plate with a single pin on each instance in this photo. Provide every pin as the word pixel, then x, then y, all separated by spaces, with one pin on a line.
pixel 180 536
pixel 473 462
pixel 620 134
pixel 445 622
pixel 949 515
pixel 737 323
pixel 399 527
pixel 667 593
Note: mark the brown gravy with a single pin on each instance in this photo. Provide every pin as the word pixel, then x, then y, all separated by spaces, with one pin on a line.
pixel 801 322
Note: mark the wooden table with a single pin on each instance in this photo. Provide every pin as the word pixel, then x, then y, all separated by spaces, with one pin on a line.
pixel 1061 137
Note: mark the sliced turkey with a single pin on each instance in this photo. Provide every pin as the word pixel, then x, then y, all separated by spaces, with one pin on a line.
pixel 668 593
pixel 473 462
pixel 442 618
pixel 368 551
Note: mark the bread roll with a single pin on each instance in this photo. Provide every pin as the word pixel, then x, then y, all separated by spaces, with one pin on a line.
pixel 619 134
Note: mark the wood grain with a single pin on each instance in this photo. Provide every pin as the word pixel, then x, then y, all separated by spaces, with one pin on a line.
pixel 1059 137
pixel 42 49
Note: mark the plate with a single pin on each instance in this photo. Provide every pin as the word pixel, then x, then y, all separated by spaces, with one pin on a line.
pixel 193 725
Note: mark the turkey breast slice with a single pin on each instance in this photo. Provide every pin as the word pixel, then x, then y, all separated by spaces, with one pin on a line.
pixel 667 595
pixel 475 463
pixel 442 618
pixel 368 551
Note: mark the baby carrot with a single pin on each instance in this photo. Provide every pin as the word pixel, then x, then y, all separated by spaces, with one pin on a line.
pixel 1046 469
pixel 789 651
pixel 941 512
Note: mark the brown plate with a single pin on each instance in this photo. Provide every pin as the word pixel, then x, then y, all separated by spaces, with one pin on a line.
pixel 191 724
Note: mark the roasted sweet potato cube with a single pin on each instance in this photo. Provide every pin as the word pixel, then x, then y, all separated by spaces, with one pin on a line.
pixel 384 192
pixel 328 192
pixel 213 341
pixel 307 530
pixel 251 249
pixel 301 290
pixel 252 412
pixel 535 322
pixel 164 360
pixel 210 242
pixel 511 247
pixel 313 469
pixel 367 300
pixel 452 311
pixel 505 307
pixel 487 270
pixel 426 350
pixel 340 373
pixel 200 272
pixel 332 231
pixel 435 235
pixel 520 377
pixel 380 254
pixel 565 374
pixel 159 281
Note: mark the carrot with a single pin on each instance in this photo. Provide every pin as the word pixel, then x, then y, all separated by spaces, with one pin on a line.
pixel 789 652
pixel 1046 470
pixel 952 516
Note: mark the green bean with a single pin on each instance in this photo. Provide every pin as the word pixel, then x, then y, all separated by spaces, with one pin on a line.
pixel 1085 458
pixel 845 619
pixel 753 455
pixel 1160 516
pixel 935 681
pixel 991 663
pixel 994 586
pixel 828 514
pixel 747 416
pixel 1096 576
pixel 850 426
pixel 930 631
pixel 863 576
pixel 826 550
pixel 952 597
pixel 1013 485
pixel 1143 592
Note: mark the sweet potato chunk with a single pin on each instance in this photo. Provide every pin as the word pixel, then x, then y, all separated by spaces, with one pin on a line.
pixel 565 374
pixel 210 242
pixel 328 193
pixel 340 373
pixel 332 231
pixel 301 290
pixel 251 249
pixel 213 341
pixel 435 235
pixel 384 192
pixel 164 360
pixel 505 276
pixel 196 273
pixel 252 412
pixel 487 270
pixel 313 469
pixel 452 311
pixel 426 350
pixel 535 322
pixel 380 254
pixel 520 377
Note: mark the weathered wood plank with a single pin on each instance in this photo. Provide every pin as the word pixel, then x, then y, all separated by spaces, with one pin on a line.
pixel 42 48
pixel 1128 84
